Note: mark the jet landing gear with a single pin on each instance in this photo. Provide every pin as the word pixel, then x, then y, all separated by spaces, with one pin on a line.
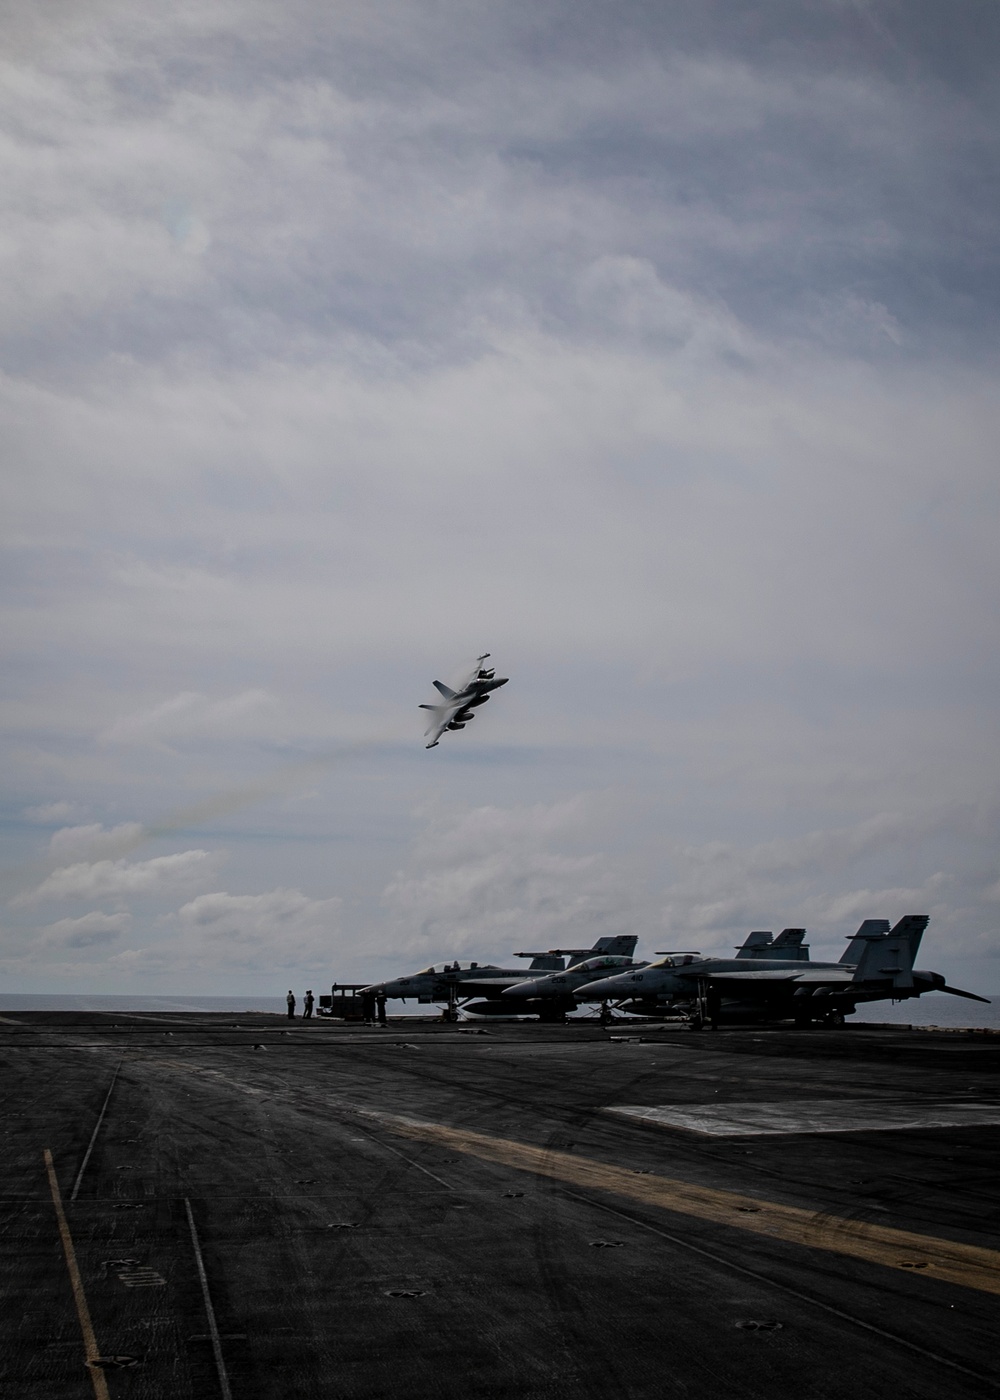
pixel 818 1012
pixel 706 1008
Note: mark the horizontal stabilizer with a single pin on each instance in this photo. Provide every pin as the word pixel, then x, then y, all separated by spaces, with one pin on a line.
pixel 957 992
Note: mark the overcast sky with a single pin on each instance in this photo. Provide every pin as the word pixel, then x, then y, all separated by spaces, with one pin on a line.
pixel 651 347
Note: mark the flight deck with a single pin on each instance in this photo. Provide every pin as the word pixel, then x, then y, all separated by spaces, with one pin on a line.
pixel 203 1205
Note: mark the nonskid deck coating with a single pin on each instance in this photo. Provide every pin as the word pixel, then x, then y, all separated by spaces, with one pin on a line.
pixel 500 1249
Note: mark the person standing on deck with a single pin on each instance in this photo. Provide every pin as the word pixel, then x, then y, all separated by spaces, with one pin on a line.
pixel 307 1006
pixel 290 1003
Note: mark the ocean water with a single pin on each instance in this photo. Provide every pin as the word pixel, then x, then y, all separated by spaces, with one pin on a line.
pixel 934 1009
pixel 25 1001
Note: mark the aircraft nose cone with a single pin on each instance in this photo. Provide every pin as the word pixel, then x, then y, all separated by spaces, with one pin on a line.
pixel 593 989
pixel 523 989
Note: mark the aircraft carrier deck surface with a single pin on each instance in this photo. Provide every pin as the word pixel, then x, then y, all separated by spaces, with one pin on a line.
pixel 214 1206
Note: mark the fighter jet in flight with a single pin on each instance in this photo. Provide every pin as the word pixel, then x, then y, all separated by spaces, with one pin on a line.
pixel 876 966
pixel 457 707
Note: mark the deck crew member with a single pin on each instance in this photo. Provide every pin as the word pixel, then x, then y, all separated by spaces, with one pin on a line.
pixel 290 1003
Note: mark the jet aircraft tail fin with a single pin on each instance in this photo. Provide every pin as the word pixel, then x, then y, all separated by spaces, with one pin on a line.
pixel 890 956
pixel 622 944
pixel 445 690
pixel 619 945
pixel 856 942
pixel 790 945
pixel 755 945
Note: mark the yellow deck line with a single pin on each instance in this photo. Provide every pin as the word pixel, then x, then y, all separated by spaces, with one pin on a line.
pixel 79 1297
pixel 967 1265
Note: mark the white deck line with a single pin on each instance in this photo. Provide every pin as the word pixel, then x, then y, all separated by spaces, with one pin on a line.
pixel 755 1119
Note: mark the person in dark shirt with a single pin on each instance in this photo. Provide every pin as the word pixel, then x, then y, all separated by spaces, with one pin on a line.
pixel 307 1006
pixel 290 1003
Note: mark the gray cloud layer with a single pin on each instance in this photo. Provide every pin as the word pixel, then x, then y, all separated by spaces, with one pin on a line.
pixel 651 347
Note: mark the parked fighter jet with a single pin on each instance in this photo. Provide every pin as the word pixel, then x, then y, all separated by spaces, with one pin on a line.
pixel 724 989
pixel 458 707
pixel 449 982
pixel 553 995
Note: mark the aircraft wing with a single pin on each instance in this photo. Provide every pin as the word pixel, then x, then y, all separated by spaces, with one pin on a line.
pixel 440 717
pixel 484 985
pixel 461 680
pixel 811 978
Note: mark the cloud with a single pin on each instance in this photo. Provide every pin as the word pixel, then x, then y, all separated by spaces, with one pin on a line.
pixel 89 931
pixel 719 890
pixel 655 352
pixel 92 840
pixel 49 812
pixel 274 933
pixel 191 714
pixel 484 879
pixel 813 853
pixel 278 203
pixel 108 878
